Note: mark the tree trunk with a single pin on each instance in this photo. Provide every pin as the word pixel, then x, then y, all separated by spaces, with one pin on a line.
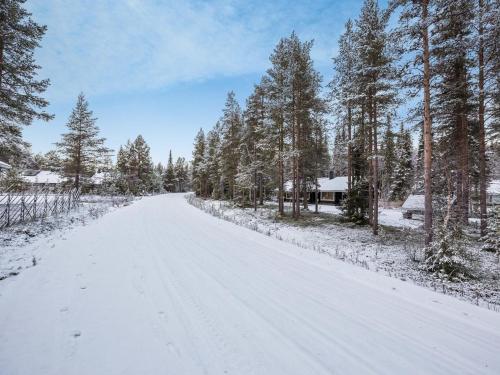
pixel 482 143
pixel 281 172
pixel 375 171
pixel 370 163
pixel 255 191
pixel 316 192
pixel 427 126
pixel 349 154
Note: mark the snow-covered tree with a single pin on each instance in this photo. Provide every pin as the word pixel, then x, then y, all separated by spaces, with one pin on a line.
pixel 181 174
pixel 198 173
pixel 402 176
pixel 231 125
pixel 169 177
pixel 20 89
pixel 81 147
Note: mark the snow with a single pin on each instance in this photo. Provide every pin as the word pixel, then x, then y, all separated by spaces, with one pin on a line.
pixel 45 177
pixel 160 287
pixel 99 177
pixel 333 184
pixel 338 184
pixel 494 187
pixel 4 165
pixel 392 217
pixel 414 202
pixel 396 251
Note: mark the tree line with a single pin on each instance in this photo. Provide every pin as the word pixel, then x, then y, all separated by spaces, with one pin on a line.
pixel 280 136
pixel 436 72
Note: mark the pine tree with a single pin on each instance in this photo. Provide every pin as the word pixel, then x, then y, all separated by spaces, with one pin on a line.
pixel 377 78
pixel 344 93
pixel 169 178
pixel 20 100
pixel 486 37
pixel 231 134
pixel 181 174
pixel 81 147
pixel 213 162
pixel 198 173
pixel 451 43
pixel 415 21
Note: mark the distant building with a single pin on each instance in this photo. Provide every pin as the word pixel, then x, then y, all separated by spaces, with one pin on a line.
pixel 414 204
pixel 330 190
pixel 44 178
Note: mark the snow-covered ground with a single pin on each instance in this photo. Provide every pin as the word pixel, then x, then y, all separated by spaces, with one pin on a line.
pixel 20 244
pixel 396 252
pixel 160 287
pixel 387 216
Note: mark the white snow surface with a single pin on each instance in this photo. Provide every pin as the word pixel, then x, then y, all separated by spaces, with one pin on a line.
pixel 160 287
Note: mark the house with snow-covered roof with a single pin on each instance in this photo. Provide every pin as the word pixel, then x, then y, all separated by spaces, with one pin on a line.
pixel 330 190
pixel 44 178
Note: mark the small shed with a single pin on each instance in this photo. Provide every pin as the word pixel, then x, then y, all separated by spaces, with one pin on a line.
pixel 414 204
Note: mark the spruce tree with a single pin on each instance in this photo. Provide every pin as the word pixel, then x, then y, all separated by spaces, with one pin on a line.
pixel 81 147
pixel 140 167
pixel 402 176
pixel 169 178
pixel 20 88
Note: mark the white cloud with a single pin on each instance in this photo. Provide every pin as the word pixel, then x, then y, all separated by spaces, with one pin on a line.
pixel 105 46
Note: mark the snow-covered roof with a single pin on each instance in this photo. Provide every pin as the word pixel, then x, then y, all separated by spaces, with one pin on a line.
pixel 325 184
pixel 334 184
pixel 45 177
pixel 414 202
pixel 4 165
pixel 494 187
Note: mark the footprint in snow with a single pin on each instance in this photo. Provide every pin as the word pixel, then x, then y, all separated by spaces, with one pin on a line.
pixel 76 334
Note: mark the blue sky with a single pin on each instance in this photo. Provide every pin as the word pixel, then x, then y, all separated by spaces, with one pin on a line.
pixel 163 68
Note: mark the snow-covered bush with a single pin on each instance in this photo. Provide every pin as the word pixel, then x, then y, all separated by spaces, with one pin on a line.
pixel 448 255
pixel 492 237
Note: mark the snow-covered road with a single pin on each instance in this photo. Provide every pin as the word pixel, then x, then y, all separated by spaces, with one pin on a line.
pixel 160 287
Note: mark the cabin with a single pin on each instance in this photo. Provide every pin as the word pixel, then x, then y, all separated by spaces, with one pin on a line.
pixel 414 204
pixel 330 190
pixel 44 178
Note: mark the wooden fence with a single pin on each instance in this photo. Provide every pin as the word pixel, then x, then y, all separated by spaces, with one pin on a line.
pixel 23 206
